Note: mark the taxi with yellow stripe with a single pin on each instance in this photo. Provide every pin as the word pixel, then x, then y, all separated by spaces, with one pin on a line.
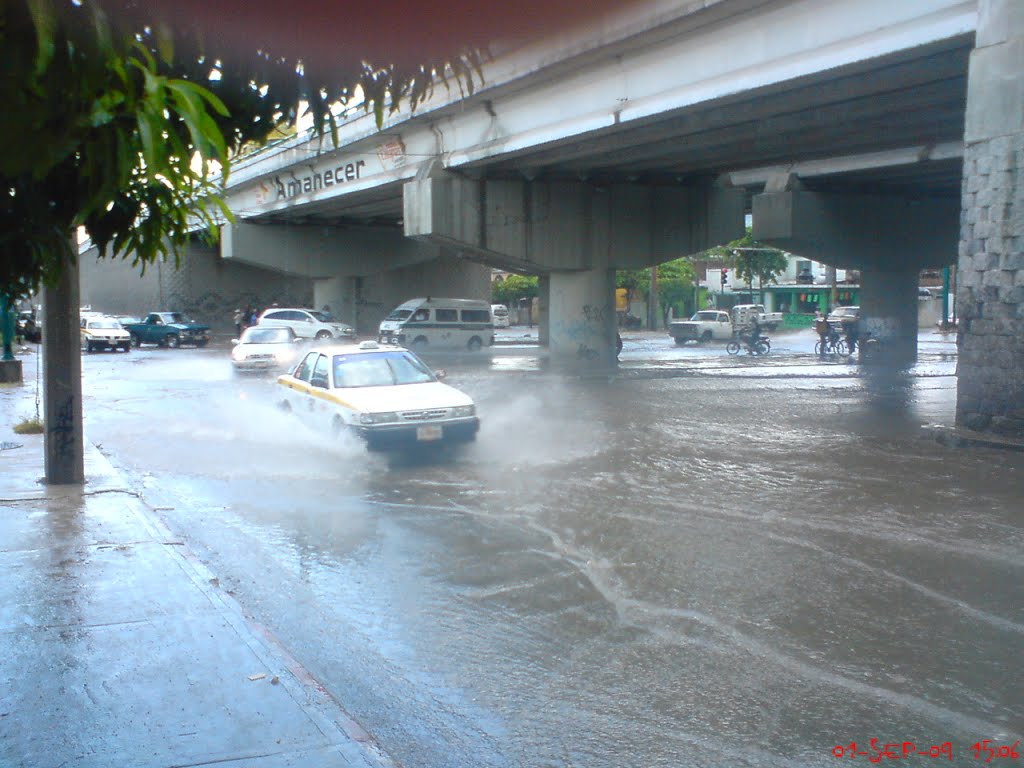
pixel 384 394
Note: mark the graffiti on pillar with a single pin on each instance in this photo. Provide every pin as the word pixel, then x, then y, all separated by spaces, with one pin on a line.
pixel 583 352
pixel 593 314
pixel 573 331
pixel 63 431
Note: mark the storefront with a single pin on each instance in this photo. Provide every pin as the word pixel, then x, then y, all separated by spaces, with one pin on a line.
pixel 800 302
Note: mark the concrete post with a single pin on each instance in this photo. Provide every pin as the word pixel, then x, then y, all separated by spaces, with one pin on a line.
pixel 888 308
pixel 582 325
pixel 339 294
pixel 990 273
pixel 62 380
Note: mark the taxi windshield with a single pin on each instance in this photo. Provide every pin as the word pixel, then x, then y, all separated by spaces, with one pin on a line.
pixel 399 314
pixel 379 369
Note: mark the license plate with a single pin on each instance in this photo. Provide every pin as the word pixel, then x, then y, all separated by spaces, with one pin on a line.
pixel 432 432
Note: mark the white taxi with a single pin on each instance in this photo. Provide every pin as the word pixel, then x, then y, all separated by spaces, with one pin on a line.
pixel 386 395
pixel 99 332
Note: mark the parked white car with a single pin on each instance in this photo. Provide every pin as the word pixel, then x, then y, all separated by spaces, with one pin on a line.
pixel 384 394
pixel 307 323
pixel 100 333
pixel 265 349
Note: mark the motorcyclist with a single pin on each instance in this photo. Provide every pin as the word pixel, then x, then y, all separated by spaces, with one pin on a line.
pixel 754 336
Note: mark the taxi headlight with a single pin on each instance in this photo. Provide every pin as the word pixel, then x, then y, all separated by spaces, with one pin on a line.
pixel 377 418
pixel 464 410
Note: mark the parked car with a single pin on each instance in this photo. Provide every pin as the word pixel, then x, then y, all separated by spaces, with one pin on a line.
pixel 264 349
pixel 384 394
pixel 168 329
pixel 844 315
pixel 102 333
pixel 306 323
pixel 29 326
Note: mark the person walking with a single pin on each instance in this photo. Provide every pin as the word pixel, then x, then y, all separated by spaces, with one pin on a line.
pixel 238 321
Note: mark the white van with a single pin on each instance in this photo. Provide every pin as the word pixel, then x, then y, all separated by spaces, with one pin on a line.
pixel 499 313
pixel 422 324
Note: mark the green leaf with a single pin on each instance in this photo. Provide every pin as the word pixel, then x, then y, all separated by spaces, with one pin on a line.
pixel 46 25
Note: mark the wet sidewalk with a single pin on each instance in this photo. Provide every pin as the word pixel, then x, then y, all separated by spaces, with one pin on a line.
pixel 119 648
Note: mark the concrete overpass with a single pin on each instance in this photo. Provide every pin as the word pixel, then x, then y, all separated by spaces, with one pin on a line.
pixel 863 133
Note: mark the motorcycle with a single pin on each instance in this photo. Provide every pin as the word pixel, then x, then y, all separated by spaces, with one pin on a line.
pixel 760 347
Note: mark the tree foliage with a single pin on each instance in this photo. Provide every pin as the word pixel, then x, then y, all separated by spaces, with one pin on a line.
pixel 513 288
pixel 751 260
pixel 675 282
pixel 109 103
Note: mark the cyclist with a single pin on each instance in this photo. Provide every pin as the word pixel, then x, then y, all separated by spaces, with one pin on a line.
pixel 852 332
pixel 824 331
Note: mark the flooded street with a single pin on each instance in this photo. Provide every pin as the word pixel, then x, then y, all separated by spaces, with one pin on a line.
pixel 701 561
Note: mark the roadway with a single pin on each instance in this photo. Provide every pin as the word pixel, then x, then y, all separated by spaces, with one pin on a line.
pixel 701 561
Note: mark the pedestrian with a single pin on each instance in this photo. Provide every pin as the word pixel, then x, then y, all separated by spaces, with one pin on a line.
pixel 238 321
pixel 254 316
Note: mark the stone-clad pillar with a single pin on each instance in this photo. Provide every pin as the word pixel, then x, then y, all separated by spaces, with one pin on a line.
pixel 990 284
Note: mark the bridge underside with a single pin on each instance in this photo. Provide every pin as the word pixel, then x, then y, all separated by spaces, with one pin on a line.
pixel 856 164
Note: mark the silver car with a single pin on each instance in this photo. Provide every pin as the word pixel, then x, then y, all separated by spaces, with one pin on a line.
pixel 265 349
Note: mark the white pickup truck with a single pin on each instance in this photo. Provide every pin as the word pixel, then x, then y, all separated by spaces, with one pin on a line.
pixel 704 326
pixel 743 315
pixel 719 325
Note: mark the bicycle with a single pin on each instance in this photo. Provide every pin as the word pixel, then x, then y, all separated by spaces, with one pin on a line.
pixel 833 345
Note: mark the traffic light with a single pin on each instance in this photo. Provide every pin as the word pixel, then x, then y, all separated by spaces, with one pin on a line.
pixel 725 275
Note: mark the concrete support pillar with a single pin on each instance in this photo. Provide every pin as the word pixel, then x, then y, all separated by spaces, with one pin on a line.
pixel 888 306
pixel 577 233
pixel 990 275
pixel 62 380
pixel 339 293
pixel 543 310
pixel 581 331
pixel 886 237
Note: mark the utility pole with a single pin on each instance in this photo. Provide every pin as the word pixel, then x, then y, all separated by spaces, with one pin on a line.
pixel 830 278
pixel 653 310
pixel 945 298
